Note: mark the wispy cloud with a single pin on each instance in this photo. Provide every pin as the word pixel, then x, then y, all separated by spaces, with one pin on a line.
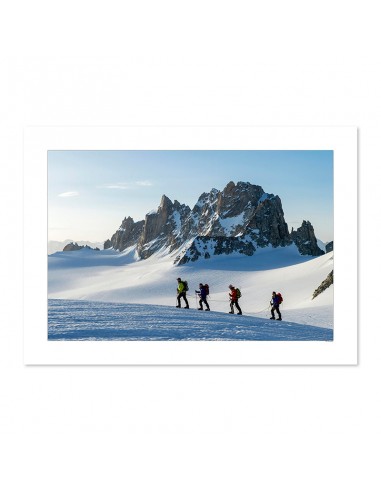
pixel 126 185
pixel 119 186
pixel 68 194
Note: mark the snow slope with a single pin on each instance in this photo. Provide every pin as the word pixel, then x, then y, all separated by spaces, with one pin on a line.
pixel 109 276
pixel 87 320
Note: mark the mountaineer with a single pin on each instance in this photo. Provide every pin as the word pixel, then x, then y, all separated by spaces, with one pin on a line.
pixel 182 287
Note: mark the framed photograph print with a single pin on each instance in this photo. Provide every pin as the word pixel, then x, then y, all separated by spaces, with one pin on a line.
pixel 190 245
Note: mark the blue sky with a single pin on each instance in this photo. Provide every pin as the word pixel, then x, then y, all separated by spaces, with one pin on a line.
pixel 90 192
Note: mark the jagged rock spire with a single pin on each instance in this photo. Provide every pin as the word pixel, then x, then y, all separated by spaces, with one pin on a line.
pixel 305 239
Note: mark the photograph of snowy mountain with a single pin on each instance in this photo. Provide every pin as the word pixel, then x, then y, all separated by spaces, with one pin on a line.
pixel 190 245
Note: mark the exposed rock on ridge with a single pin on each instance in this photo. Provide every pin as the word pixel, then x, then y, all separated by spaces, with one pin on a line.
pixel 205 247
pixel 329 247
pixel 76 247
pixel 305 240
pixel 324 285
pixel 127 235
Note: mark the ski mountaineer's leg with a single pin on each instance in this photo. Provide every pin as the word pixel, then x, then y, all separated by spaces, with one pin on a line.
pixel 207 305
pixel 237 306
pixel 272 313
pixel 186 301
pixel 279 315
pixel 178 305
pixel 200 304
pixel 231 308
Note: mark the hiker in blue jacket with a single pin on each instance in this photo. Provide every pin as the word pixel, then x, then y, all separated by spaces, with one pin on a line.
pixel 202 293
pixel 275 302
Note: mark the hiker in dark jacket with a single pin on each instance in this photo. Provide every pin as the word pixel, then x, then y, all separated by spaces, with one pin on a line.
pixel 233 296
pixel 202 293
pixel 181 293
pixel 275 301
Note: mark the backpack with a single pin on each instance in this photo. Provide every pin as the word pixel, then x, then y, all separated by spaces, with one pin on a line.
pixel 280 298
pixel 186 288
pixel 238 293
pixel 206 286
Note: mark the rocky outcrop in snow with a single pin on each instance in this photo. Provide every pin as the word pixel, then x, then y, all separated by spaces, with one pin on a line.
pixel 329 247
pixel 238 219
pixel 324 285
pixel 205 247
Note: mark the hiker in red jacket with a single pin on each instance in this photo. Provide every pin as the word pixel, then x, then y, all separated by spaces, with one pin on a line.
pixel 233 296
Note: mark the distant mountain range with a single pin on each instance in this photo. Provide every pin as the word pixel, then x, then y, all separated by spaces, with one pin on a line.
pixel 54 246
pixel 241 218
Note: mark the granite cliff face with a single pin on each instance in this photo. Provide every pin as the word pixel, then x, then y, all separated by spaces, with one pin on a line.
pixel 305 240
pixel 168 228
pixel 127 235
pixel 238 219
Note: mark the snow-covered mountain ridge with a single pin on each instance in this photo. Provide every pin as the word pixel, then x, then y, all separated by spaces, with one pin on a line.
pixel 242 218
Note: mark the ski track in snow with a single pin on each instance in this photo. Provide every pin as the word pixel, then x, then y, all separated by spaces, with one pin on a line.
pixel 89 320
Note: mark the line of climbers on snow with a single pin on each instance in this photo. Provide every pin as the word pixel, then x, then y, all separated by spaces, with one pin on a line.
pixel 234 295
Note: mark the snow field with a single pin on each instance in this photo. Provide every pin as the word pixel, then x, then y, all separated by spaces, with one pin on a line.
pixel 90 321
pixel 109 276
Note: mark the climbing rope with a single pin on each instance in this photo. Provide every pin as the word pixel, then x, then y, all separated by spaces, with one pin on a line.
pixel 267 308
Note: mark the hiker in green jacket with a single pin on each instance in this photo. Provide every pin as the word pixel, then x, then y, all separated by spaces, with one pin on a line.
pixel 181 293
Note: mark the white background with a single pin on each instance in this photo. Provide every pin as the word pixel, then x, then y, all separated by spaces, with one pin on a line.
pixel 189 428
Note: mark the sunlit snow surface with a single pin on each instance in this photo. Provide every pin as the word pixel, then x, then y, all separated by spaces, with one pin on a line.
pixel 106 295
pixel 88 320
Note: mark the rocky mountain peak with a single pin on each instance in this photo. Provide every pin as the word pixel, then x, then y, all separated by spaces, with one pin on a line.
pixel 305 239
pixel 165 205
pixel 240 218
pixel 235 199
pixel 127 222
pixel 228 188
